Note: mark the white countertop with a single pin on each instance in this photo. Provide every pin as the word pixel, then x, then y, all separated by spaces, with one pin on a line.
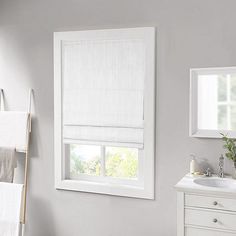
pixel 187 184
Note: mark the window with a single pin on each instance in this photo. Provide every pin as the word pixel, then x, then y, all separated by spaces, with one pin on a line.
pixel 104 111
pixel 106 164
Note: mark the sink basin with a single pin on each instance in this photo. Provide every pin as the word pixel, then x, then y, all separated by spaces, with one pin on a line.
pixel 216 182
pixel 210 185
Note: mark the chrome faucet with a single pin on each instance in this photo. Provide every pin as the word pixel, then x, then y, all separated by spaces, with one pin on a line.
pixel 221 167
pixel 208 172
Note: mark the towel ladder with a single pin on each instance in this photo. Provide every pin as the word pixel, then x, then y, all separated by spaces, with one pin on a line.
pixel 26 151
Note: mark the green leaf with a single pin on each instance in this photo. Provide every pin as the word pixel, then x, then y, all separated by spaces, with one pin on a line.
pixel 230 146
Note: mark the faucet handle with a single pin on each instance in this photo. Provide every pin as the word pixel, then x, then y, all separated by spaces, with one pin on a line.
pixel 221 166
pixel 208 172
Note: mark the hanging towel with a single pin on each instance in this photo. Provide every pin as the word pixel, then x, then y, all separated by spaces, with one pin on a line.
pixel 8 163
pixel 10 209
pixel 13 129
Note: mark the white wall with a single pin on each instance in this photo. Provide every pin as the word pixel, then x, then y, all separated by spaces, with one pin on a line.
pixel 190 34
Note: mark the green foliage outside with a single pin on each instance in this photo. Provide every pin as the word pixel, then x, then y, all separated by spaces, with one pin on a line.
pixel 120 162
pixel 80 166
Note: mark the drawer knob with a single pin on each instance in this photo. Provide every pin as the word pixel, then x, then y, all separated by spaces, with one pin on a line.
pixel 215 220
pixel 215 203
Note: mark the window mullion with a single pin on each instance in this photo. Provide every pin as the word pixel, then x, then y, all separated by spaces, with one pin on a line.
pixel 103 161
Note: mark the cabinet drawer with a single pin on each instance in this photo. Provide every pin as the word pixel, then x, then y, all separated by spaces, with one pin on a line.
pixel 210 202
pixel 205 232
pixel 212 219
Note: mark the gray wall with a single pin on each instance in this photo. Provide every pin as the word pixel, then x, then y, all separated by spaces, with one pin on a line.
pixel 190 34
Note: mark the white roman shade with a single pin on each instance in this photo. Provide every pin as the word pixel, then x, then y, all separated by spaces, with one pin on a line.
pixel 103 89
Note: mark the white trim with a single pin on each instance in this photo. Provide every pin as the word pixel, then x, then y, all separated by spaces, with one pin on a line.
pixel 194 131
pixel 108 180
pixel 147 189
pixel 213 134
pixel 57 111
pixel 104 188
pixel 110 144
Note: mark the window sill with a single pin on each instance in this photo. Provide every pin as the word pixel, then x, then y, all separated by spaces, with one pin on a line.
pixel 105 188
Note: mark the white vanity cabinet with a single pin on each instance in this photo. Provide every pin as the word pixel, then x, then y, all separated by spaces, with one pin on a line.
pixel 205 211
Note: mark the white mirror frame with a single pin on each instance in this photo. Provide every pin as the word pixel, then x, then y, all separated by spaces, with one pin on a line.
pixel 194 131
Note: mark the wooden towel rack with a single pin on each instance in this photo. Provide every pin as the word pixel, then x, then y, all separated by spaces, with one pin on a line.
pixel 24 150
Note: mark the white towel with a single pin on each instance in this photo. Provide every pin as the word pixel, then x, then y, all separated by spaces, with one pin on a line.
pixel 10 209
pixel 13 129
pixel 7 164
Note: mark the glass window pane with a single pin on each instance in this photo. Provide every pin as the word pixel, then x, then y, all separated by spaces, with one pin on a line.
pixel 222 88
pixel 222 117
pixel 233 87
pixel 121 162
pixel 85 159
pixel 233 117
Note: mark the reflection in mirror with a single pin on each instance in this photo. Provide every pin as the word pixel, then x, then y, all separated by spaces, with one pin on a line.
pixel 213 102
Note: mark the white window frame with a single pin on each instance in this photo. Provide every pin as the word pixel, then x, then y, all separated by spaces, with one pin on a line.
pixel 194 131
pixel 146 190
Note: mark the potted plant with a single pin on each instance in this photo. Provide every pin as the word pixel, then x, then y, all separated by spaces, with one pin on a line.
pixel 230 146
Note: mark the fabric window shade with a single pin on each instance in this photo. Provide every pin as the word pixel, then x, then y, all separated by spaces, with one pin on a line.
pixel 103 87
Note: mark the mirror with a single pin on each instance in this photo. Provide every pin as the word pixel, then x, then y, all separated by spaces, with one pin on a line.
pixel 213 102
